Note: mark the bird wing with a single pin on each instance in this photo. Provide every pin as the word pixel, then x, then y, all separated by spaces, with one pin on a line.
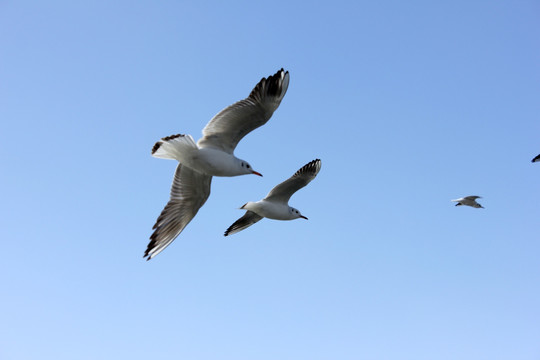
pixel 284 191
pixel 472 197
pixel 244 222
pixel 536 158
pixel 234 122
pixel 189 192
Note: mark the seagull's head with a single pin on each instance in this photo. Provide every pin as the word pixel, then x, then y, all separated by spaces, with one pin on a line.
pixel 295 214
pixel 245 168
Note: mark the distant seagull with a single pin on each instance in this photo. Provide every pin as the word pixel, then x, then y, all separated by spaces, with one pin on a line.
pixel 275 204
pixel 212 155
pixel 469 201
pixel 536 159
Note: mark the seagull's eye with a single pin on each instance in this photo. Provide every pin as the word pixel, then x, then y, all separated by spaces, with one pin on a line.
pixel 247 166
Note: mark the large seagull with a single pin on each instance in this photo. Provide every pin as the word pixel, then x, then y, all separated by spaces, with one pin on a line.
pixel 212 155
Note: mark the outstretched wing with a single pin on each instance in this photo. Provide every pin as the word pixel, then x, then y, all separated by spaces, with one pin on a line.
pixel 536 158
pixel 189 192
pixel 244 222
pixel 231 124
pixel 472 197
pixel 284 191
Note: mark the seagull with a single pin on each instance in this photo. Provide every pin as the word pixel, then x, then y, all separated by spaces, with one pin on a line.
pixel 276 204
pixel 212 155
pixel 536 159
pixel 469 201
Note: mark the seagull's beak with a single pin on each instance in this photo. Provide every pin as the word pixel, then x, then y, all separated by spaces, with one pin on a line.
pixel 303 217
pixel 256 173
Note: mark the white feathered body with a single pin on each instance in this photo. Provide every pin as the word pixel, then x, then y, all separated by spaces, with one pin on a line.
pixel 206 160
pixel 271 210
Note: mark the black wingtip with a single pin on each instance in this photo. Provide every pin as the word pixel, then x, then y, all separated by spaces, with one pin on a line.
pixel 229 229
pixel 313 163
pixel 313 166
pixel 150 245
pixel 156 147
pixel 273 84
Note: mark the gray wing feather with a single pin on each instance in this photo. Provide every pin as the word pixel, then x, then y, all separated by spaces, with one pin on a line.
pixel 284 191
pixel 189 192
pixel 472 197
pixel 234 122
pixel 244 222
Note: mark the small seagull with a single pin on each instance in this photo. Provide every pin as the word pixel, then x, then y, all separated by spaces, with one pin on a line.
pixel 536 159
pixel 469 201
pixel 212 155
pixel 276 204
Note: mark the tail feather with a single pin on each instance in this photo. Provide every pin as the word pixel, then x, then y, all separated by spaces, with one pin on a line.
pixel 172 147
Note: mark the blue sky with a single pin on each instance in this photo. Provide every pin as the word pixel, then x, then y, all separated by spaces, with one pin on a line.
pixel 407 104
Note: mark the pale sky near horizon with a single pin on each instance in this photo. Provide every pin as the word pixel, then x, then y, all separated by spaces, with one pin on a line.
pixel 407 104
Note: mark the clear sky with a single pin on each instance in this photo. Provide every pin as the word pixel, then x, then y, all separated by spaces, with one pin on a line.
pixel 408 104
